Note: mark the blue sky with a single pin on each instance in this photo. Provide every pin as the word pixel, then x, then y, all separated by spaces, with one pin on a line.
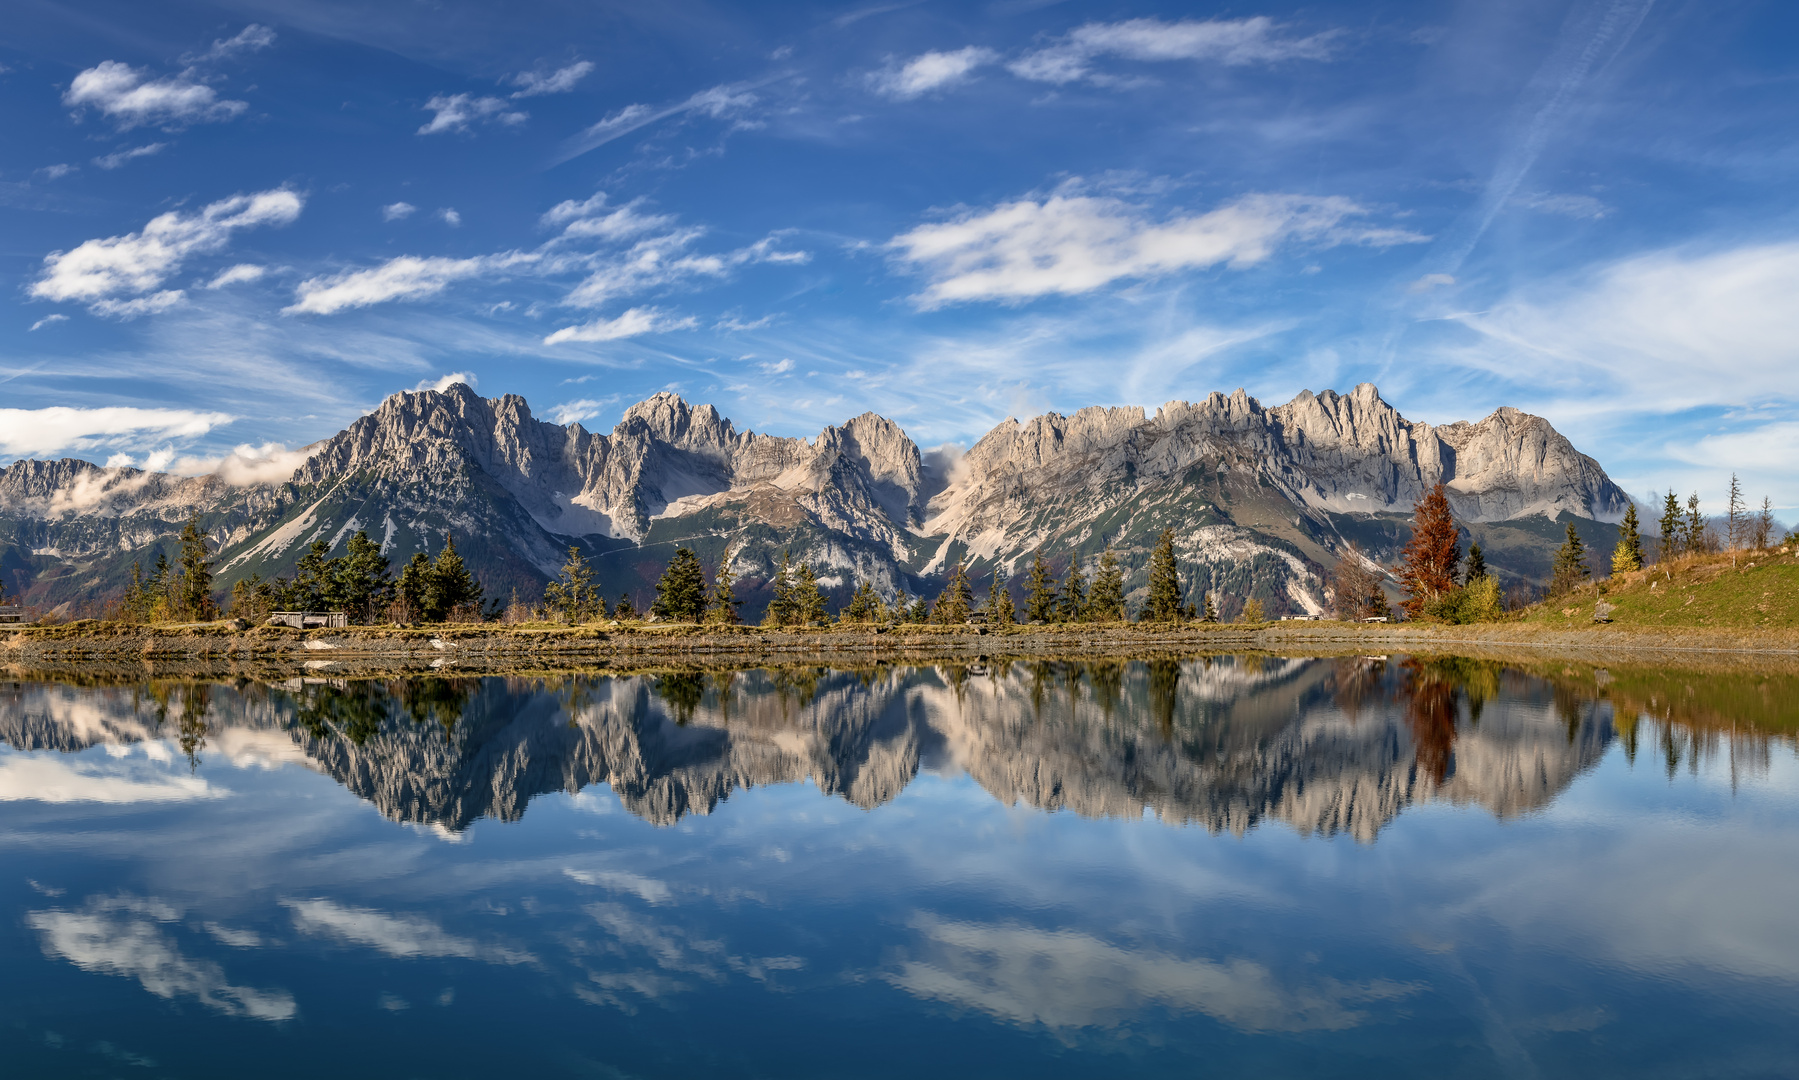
pixel 231 228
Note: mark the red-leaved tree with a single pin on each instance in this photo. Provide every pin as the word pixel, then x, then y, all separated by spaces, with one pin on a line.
pixel 1427 564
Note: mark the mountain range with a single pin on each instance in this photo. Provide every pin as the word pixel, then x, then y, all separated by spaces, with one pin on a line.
pixel 1262 500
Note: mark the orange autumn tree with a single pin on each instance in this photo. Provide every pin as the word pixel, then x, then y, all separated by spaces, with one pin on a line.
pixel 1427 564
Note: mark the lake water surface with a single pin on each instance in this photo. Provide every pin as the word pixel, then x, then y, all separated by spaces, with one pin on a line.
pixel 1230 867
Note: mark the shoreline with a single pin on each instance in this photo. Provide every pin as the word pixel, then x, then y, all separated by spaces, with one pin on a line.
pixel 474 648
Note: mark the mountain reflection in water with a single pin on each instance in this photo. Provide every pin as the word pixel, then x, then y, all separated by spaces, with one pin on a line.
pixel 1325 746
pixel 1032 870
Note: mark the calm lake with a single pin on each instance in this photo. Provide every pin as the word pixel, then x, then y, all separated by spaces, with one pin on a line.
pixel 1227 867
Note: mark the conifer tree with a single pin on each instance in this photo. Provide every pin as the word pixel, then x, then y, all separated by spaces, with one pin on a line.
pixel 681 594
pixel 1071 606
pixel 414 587
pixel 863 605
pixel 191 595
pixel 1695 538
pixel 1106 602
pixel 1210 612
pixel 1671 531
pixel 1764 525
pixel 360 583
pixel 1736 517
pixel 452 585
pixel 1164 602
pixel 574 595
pixel 312 576
pixel 781 609
pixel 624 609
pixel 1040 592
pixel 252 598
pixel 1000 609
pixel 1628 555
pixel 1477 565
pixel 1570 565
pixel 1427 563
pixel 722 602
pixel 1252 612
pixel 809 605
pixel 956 599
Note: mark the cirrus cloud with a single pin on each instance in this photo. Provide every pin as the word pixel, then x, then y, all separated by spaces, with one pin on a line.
pixel 929 71
pixel 1071 244
pixel 98 270
pixel 630 324
pixel 404 278
pixel 1233 42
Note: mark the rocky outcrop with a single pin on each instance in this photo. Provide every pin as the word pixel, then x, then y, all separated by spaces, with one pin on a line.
pixel 1259 497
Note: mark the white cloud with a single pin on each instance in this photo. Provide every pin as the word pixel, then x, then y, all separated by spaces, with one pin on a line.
pixel 632 323
pixel 929 71
pixel 30 777
pixel 560 81
pixel 1574 206
pixel 130 98
pixel 1654 331
pixel 138 262
pixel 399 211
pixel 450 217
pixel 1069 244
pixel 57 172
pixel 1233 42
pixel 48 320
pixel 454 378
pixel 139 305
pixel 570 412
pixel 588 219
pixel 455 112
pixel 121 937
pixel 42 432
pixel 1430 281
pixel 779 367
pixel 658 262
pixel 238 274
pixel 120 157
pixel 715 102
pixel 406 937
pixel 404 278
pixel 246 465
pixel 252 38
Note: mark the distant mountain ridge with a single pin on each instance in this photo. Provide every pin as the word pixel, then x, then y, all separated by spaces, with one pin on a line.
pixel 1262 499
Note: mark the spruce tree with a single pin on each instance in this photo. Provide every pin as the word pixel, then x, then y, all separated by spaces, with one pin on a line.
pixel 1628 555
pixel 1105 603
pixel 574 595
pixel 414 587
pixel 1670 525
pixel 1570 565
pixel 1164 601
pixel 1000 609
pixel 809 605
pixel 624 609
pixel 312 577
pixel 722 603
pixel 781 608
pixel 862 606
pixel 1040 592
pixel 191 596
pixel 681 594
pixel 1694 540
pixel 1764 525
pixel 1427 563
pixel 452 585
pixel 1210 611
pixel 957 598
pixel 1476 566
pixel 919 612
pixel 361 582
pixel 1072 605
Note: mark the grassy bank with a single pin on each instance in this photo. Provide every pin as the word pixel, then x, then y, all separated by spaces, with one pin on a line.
pixel 1746 592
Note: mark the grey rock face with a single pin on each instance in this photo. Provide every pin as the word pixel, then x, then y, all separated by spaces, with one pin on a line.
pixel 1245 486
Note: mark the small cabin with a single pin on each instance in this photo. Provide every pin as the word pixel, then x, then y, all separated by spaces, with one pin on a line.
pixel 11 613
pixel 310 620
